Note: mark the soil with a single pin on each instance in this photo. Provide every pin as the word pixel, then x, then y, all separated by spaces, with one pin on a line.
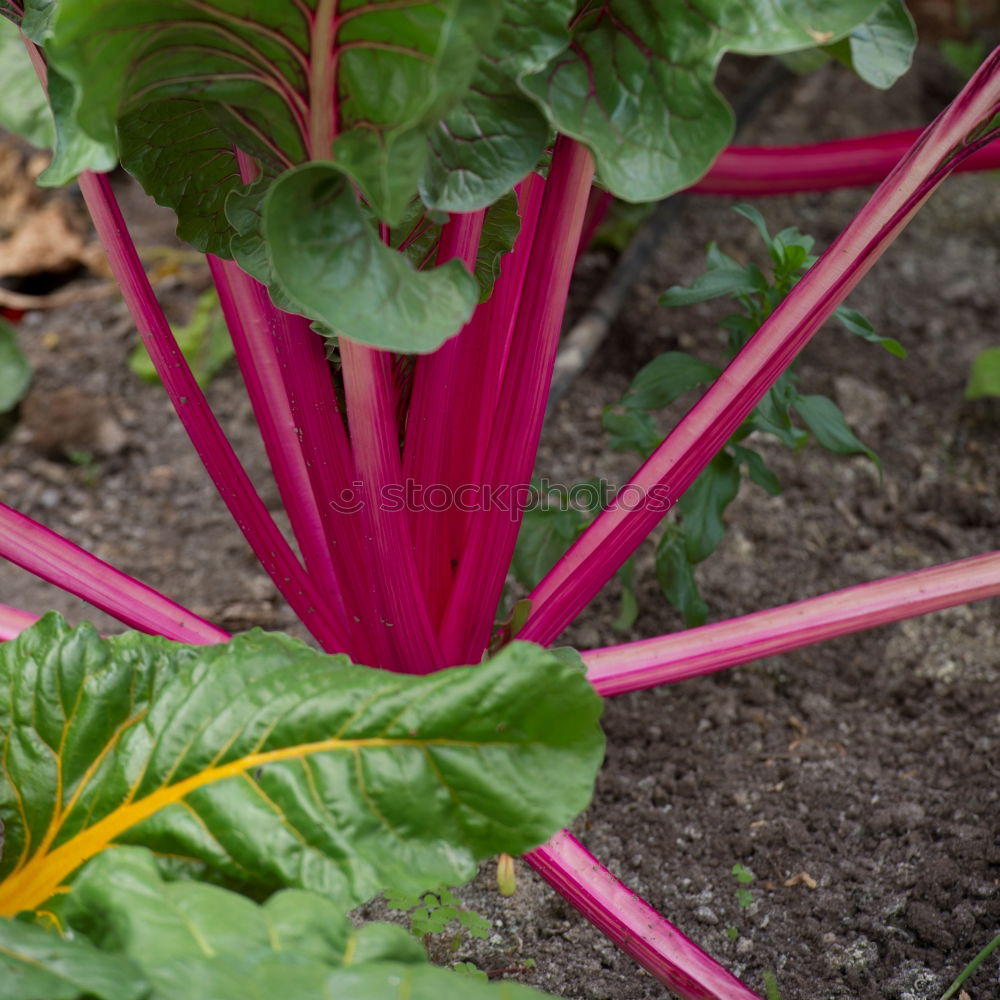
pixel 859 780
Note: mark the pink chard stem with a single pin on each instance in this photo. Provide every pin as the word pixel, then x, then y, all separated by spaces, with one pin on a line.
pixel 330 464
pixel 438 383
pixel 618 531
pixel 824 166
pixel 58 561
pixel 521 407
pixel 632 924
pixel 13 621
pixel 670 658
pixel 252 323
pixel 402 633
pixel 189 401
pixel 485 348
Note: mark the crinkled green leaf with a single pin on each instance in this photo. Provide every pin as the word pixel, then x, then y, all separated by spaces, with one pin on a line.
pixel 24 109
pixel 488 142
pixel 15 370
pixel 32 16
pixel 881 49
pixel 380 942
pixel 500 229
pixel 162 147
pixel 984 376
pixel 823 417
pixel 73 145
pixel 421 982
pixel 419 233
pixel 705 502
pixel 262 76
pixel 857 324
pixel 675 575
pixel 386 167
pixel 41 965
pixel 203 942
pixel 529 34
pixel 267 763
pixel 666 378
pixel 329 262
pixel 636 84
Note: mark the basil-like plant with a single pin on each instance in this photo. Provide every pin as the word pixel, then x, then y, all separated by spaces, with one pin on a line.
pixel 367 181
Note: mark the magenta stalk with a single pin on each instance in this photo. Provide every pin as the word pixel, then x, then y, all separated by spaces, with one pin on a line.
pixel 632 924
pixel 751 171
pixel 431 425
pixel 517 425
pixel 402 634
pixel 619 530
pixel 252 323
pixel 667 659
pixel 203 429
pixel 13 621
pixel 59 561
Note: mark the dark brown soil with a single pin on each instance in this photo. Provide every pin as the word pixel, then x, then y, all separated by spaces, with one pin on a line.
pixel 859 781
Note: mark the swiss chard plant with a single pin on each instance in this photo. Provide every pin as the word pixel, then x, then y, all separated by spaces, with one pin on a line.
pixel 390 195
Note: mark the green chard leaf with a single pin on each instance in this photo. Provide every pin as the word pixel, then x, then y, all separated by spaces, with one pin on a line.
pixel 175 86
pixel 329 262
pixel 881 49
pixel 267 764
pixel 24 109
pixel 487 143
pixel 636 82
pixel 37 963
pixel 203 942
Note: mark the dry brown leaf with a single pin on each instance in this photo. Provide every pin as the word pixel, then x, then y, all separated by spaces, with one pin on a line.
pixel 47 240
pixel 800 878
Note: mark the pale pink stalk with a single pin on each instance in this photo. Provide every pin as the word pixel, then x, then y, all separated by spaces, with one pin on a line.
pixel 64 564
pixel 252 321
pixel 634 666
pixel 431 427
pixel 618 531
pixel 199 422
pixel 521 407
pixel 823 166
pixel 632 924
pixel 13 622
pixel 402 633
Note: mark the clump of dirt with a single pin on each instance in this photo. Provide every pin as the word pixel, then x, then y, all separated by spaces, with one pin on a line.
pixel 856 781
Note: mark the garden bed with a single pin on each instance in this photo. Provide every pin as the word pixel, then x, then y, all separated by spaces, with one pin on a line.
pixel 858 780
